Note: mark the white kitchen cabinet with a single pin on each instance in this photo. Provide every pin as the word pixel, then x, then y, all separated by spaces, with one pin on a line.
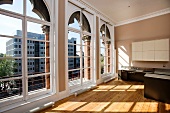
pixel 162 44
pixel 154 50
pixel 148 45
pixel 161 55
pixel 137 46
pixel 148 56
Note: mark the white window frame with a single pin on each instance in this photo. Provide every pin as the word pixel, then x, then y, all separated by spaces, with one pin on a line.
pixel 81 32
pixel 25 94
pixel 106 73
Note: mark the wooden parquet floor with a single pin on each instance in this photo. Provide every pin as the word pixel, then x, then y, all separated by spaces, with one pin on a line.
pixel 113 97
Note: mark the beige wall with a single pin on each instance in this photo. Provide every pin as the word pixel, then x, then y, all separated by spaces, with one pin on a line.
pixel 149 29
pixel 61 46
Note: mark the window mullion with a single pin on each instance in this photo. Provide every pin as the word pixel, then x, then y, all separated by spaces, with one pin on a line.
pixel 81 58
pixel 24 57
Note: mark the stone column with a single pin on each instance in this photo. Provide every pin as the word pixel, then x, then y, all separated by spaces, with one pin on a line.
pixel 87 40
pixel 108 55
pixel 46 30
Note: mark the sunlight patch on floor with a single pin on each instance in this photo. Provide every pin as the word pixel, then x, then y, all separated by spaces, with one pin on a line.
pixel 69 106
pixel 94 106
pixel 145 107
pixel 137 87
pixel 119 107
pixel 122 87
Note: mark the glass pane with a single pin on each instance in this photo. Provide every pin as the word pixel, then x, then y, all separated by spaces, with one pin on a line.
pixel 35 31
pixel 102 64
pixel 73 63
pixel 86 74
pixel 102 52
pixel 74 20
pixel 10 47
pixel 74 50
pixel 86 62
pixel 15 6
pixel 36 83
pixel 74 75
pixel 109 68
pixel 10 88
pixel 38 66
pixel 87 42
pixel 10 68
pixel 102 43
pixel 73 38
pixel 86 50
pixel 29 10
pixel 35 48
pixel 8 27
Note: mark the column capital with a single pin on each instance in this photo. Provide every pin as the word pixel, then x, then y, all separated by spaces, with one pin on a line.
pixel 108 42
pixel 86 38
pixel 45 29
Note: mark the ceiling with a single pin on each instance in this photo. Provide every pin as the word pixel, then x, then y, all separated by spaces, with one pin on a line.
pixel 122 10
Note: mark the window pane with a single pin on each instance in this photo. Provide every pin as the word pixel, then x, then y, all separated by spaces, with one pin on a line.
pixel 86 74
pixel 8 27
pixel 102 52
pixel 74 20
pixel 36 83
pixel 10 47
pixel 36 49
pixel 29 10
pixel 73 63
pixel 74 75
pixel 10 68
pixel 15 6
pixel 86 62
pixel 35 31
pixel 10 88
pixel 73 38
pixel 86 50
pixel 87 42
pixel 74 50
pixel 38 66
pixel 102 43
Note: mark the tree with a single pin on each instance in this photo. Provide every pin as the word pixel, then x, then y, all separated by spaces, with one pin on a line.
pixel 7 67
pixel 1 54
pixel 102 63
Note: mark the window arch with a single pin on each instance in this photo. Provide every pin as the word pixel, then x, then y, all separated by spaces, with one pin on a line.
pixel 105 50
pixel 79 48
pixel 26 49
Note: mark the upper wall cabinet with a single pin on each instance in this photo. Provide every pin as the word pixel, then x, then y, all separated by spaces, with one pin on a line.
pixel 162 50
pixel 137 50
pixel 154 50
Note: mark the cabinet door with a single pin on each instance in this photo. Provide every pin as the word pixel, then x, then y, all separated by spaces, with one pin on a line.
pixel 148 45
pixel 136 46
pixel 148 56
pixel 137 56
pixel 162 44
pixel 161 55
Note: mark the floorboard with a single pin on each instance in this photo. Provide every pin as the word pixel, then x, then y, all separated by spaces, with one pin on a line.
pixel 116 96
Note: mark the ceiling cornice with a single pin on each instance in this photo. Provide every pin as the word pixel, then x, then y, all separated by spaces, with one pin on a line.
pixel 143 17
pixel 97 11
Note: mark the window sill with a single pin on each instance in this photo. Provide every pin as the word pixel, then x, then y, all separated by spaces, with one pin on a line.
pixel 23 103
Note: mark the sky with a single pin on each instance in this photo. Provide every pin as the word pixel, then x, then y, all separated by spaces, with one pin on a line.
pixel 9 25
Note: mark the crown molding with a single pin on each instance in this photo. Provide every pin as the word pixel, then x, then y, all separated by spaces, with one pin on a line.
pixel 143 17
pixel 112 22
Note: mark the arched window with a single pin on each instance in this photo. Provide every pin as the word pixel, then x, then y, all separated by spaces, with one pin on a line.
pixel 25 49
pixel 79 49
pixel 105 50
